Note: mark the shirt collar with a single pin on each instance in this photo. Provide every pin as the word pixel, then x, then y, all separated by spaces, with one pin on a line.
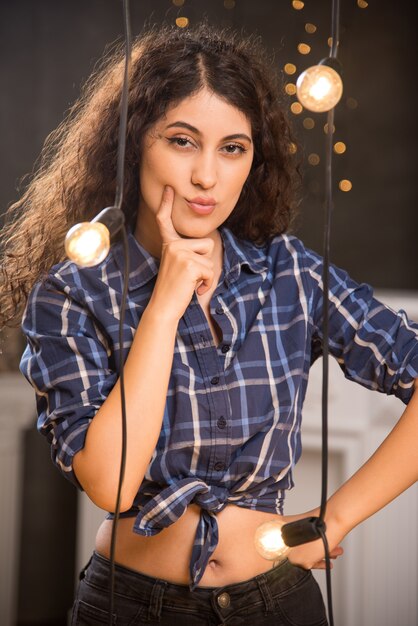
pixel 237 253
pixel 143 265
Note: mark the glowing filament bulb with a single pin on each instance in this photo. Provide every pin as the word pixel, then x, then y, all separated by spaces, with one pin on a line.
pixel 269 541
pixel 88 243
pixel 319 88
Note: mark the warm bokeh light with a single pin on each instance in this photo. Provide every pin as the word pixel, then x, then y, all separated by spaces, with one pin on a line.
pixel 229 4
pixel 308 123
pixel 293 148
pixel 326 129
pixel 290 68
pixel 290 89
pixel 313 159
pixel 182 22
pixel 178 3
pixel 319 88
pixel 329 41
pixel 269 542
pixel 88 243
pixel 296 108
pixel 298 5
pixel 362 4
pixel 345 185
pixel 310 28
pixel 340 147
pixel 303 48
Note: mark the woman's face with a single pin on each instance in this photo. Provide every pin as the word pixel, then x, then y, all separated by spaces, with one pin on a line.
pixel 203 149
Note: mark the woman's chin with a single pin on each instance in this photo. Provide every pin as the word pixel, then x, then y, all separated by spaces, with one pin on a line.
pixel 194 232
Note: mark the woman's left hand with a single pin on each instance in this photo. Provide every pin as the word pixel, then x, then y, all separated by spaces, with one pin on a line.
pixel 312 555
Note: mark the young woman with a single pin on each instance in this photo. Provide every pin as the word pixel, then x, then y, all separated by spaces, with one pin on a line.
pixel 223 322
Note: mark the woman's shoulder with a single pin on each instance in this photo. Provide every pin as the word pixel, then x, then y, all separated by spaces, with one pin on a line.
pixel 71 278
pixel 67 281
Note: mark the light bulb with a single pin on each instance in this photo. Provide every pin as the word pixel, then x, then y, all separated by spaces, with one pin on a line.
pixel 269 541
pixel 319 87
pixel 88 243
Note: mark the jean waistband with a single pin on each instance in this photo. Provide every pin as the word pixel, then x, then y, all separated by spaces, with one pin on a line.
pixel 144 588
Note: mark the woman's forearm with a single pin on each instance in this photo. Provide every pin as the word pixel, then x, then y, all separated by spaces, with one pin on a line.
pixel 146 377
pixel 389 471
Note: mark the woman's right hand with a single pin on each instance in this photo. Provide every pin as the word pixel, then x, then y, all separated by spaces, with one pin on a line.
pixel 186 264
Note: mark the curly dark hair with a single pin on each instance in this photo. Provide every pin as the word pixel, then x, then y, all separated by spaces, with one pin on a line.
pixel 76 174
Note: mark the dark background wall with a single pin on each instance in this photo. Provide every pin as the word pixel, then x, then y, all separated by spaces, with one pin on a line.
pixel 49 47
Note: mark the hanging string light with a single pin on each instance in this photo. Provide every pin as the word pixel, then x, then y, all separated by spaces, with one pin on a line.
pixel 88 243
pixel 319 88
pixel 269 541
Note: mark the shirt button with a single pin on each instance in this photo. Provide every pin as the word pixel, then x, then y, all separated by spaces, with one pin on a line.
pixel 219 466
pixel 219 310
pixel 225 348
pixel 224 600
pixel 221 422
pixel 215 380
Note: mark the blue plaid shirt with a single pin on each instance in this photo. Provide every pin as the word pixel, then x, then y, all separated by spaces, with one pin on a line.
pixel 231 426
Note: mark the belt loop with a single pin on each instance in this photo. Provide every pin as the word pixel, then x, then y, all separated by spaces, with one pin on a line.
pixel 82 573
pixel 265 592
pixel 156 600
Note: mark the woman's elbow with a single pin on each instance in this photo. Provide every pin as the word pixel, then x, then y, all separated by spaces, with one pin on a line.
pixel 103 493
pixel 107 500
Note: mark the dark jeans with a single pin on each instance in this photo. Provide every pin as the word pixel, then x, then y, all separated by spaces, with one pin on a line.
pixel 285 596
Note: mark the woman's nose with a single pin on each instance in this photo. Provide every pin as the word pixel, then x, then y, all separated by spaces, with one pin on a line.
pixel 204 171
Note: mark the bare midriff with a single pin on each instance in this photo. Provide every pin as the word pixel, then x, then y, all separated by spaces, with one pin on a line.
pixel 167 554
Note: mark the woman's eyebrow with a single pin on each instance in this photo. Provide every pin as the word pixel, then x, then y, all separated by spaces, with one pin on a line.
pixel 180 124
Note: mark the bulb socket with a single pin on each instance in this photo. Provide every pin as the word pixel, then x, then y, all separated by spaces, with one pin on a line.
pixel 112 217
pixel 303 531
pixel 333 63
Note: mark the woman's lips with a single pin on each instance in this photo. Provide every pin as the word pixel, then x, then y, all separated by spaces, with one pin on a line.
pixel 202 209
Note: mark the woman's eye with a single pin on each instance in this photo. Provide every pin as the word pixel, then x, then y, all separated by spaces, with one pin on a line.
pixel 234 148
pixel 181 142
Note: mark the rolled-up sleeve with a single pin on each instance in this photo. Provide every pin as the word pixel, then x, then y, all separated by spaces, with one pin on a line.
pixel 373 344
pixel 67 362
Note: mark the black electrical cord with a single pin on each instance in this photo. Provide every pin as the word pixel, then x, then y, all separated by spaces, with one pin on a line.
pixel 335 35
pixel 325 355
pixel 123 107
pixel 124 425
pixel 313 528
pixel 118 205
